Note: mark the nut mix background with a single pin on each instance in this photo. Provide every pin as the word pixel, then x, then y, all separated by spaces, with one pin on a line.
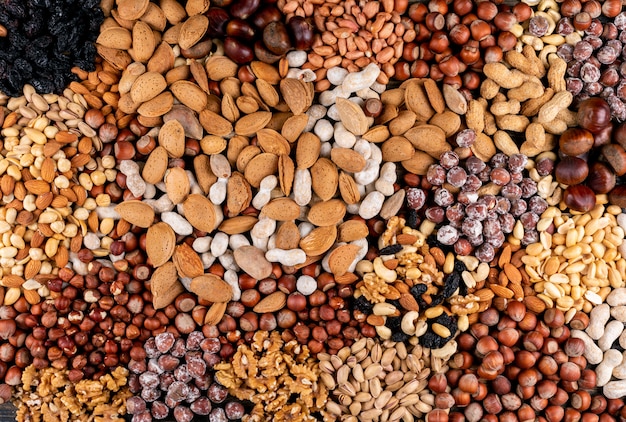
pixel 246 210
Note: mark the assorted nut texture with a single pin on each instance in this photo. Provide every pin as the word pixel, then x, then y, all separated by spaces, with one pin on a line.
pixel 305 210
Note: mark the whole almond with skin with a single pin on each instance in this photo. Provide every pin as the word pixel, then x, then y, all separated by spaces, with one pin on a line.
pixel 267 92
pixel 483 147
pixel 155 17
pixel 238 225
pixel 132 9
pixel 119 59
pixel 160 243
pixel 215 313
pixel 408 302
pixel 295 94
pixel 377 134
pixel 173 10
pixel 239 194
pixel 327 213
pixel 348 188
pixel 320 240
pixel 250 124
pixel 351 230
pixel 416 100
pixel 144 42
pixel 44 201
pixel 265 71
pixel 48 169
pixel 32 268
pixel 286 173
pixel 177 184
pixel 397 148
pixel 187 261
pixel 435 98
pixel 156 166
pixel 281 209
pixel 7 184
pixel 324 178
pixel 215 124
pixel 203 172
pixel 534 304
pixel 448 121
pixel 352 116
pixel 172 138
pixel 246 154
pixel 220 67
pixel 341 258
pixel 212 288
pixel 260 166
pixel 347 159
pixel 137 213
pixel 119 38
pixel 190 95
pixel 287 236
pixel 147 86
pixel 271 303
pixel 429 139
pixel 307 150
pixel 11 280
pixel 252 260
pixel 200 212
pixel 293 127
pixel 192 31
pixel 157 106
pixel 419 163
pixel 165 286
pixel 196 7
pixel 273 142
pixel 229 108
pixel 186 117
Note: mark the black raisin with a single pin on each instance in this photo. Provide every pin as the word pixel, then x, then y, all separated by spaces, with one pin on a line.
pixel 412 219
pixel 363 305
pixel 459 266
pixel 393 323
pixel 399 336
pixel 390 250
pixel 451 284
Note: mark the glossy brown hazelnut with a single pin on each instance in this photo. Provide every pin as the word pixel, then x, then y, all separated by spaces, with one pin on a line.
pixel 508 337
pixel 569 371
pixel 582 21
pixel 504 21
pixel 525 359
pixel 437 415
pixel 461 398
pixel 587 379
pixel 554 413
pixel 438 383
pixel 516 310
pixel 470 53
pixel 500 385
pixel 570 8
pixel 485 345
pixel 492 404
pixel 547 365
pixel 450 66
pixel 571 171
pixel 468 383
pixel 616 156
pixel 493 361
pixel 579 198
pixel 611 8
pixel 459 34
pixel 533 341
pixel 506 41
pixel 486 10
pixel 439 42
pixel 296 302
pixel 480 29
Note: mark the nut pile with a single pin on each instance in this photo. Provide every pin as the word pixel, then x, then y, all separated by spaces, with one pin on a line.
pixel 309 210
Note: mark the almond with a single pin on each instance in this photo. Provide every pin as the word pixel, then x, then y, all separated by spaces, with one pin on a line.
pixel 294 126
pixel 260 166
pixel 435 98
pixel 11 280
pixel 296 95
pixel 165 286
pixel 501 291
pixel 160 243
pixel 177 184
pixel 173 10
pixel 212 288
pixel 352 116
pixel 119 38
pixel 192 31
pixel 351 230
pixel 288 236
pixel 307 150
pixel 419 163
pixel 271 303
pixel 37 187
pixel 250 124
pixel 32 268
pixel 319 240
pixel 215 313
pixel 200 212
pixel 428 138
pixel 324 178
pixel 534 304
pixel 147 86
pixel 144 42
pixel 190 94
pixel 408 302
pixel 239 194
pixel 347 159
pixel 238 225
pixel 397 148
pixel 156 166
pixel 220 67
pixel 132 9
pixel 215 124
pixel 157 106
pixel 119 59
pixel 265 71
pixel 154 17
pixel 137 213
pixel 281 209
pixel 348 189
pixel 196 7
pixel 187 261
pixel 286 173
pixel 172 138
pixel 416 100
pixel 273 142
pixel 328 213
pixel 341 258
pixel 252 260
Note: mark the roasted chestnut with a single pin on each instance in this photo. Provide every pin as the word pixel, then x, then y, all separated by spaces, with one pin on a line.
pixel 618 196
pixel 579 198
pixel 594 114
pixel 263 54
pixel 240 29
pixel 571 171
pixel 576 141
pixel 237 51
pixel 218 19
pixel 276 38
pixel 301 32
pixel 601 179
pixel 266 15
pixel 243 9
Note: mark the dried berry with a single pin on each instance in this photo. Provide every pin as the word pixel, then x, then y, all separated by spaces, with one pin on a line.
pixel 451 283
pixel 412 219
pixel 390 250
pixel 45 40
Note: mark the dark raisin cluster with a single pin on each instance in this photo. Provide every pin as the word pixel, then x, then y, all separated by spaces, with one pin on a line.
pixel 45 39
pixel 470 220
